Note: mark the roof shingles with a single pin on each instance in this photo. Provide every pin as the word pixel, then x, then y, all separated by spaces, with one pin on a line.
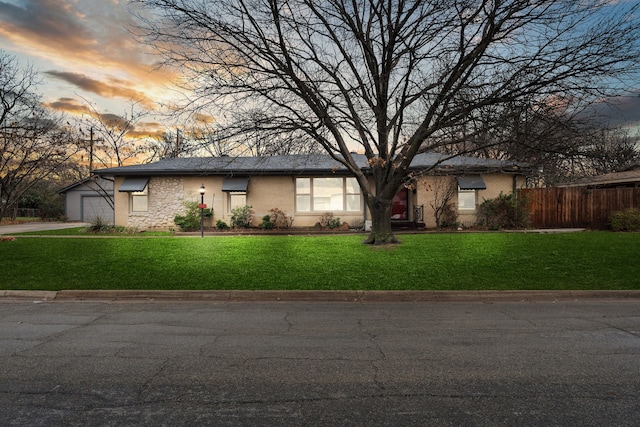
pixel 295 164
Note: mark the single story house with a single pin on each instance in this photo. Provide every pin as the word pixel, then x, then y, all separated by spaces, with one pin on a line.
pixel 626 178
pixel 89 199
pixel 305 187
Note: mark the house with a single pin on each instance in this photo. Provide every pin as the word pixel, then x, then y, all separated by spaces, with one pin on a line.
pixel 89 199
pixel 303 186
pixel 627 178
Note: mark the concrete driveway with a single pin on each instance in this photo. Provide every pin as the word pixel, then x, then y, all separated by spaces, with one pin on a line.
pixel 38 226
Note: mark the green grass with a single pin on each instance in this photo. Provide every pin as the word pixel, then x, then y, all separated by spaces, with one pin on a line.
pixel 506 261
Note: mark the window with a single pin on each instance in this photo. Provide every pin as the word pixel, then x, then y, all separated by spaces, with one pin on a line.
pixel 140 200
pixel 466 200
pixel 327 195
pixel 237 200
pixel 137 188
pixel 352 194
pixel 303 194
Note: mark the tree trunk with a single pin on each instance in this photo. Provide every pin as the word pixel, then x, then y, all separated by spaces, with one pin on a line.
pixel 381 233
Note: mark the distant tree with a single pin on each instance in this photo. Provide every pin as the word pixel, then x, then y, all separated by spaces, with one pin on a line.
pixel 612 150
pixel 112 139
pixel 172 145
pixel 253 134
pixel 388 78
pixel 217 140
pixel 556 139
pixel 33 144
pixel 44 198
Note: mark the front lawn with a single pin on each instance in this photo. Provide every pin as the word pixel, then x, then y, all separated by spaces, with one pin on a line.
pixel 456 261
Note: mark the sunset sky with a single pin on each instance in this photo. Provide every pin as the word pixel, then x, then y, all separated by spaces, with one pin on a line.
pixel 85 54
pixel 83 51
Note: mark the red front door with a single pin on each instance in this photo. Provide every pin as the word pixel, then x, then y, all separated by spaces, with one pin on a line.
pixel 400 205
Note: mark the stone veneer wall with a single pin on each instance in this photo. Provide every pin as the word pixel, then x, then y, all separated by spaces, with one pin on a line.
pixel 166 195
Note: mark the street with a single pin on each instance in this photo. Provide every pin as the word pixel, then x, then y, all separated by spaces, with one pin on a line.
pixel 173 363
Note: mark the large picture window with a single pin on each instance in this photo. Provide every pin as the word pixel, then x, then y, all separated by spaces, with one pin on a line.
pixel 327 195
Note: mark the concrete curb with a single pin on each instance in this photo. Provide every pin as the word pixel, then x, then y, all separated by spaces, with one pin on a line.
pixel 319 296
pixel 37 295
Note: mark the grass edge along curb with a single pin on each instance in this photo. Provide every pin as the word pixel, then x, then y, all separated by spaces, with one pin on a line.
pixel 320 296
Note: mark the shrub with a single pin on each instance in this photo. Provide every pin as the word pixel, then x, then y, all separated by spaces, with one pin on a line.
pixel 626 220
pixel 327 220
pixel 221 225
pixel 505 211
pixel 279 218
pixel 241 217
pixel 266 222
pixel 190 221
pixel 357 224
pixel 447 217
pixel 99 225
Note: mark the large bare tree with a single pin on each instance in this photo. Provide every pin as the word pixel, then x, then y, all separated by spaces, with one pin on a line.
pixel 389 78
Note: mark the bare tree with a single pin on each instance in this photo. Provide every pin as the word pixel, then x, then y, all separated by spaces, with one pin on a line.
pixel 444 190
pixel 611 150
pixel 112 139
pixel 389 78
pixel 173 145
pixel 33 145
pixel 558 140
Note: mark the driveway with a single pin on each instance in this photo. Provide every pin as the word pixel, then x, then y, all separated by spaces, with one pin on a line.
pixel 38 226
pixel 156 363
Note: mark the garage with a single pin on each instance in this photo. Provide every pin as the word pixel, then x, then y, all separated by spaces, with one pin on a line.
pixel 89 199
pixel 94 207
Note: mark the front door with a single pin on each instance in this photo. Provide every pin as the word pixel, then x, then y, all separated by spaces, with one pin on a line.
pixel 400 205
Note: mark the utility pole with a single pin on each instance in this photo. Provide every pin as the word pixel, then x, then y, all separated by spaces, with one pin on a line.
pixel 177 153
pixel 91 151
pixel 91 141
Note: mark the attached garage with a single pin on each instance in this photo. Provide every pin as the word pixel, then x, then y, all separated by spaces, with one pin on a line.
pixel 89 199
pixel 94 207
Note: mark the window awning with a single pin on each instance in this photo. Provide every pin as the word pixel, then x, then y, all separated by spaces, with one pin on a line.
pixel 235 185
pixel 471 183
pixel 133 184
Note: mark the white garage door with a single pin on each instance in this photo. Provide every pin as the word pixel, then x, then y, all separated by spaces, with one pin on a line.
pixel 94 207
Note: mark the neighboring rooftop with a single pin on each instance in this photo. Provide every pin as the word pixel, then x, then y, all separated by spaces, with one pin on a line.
pixel 627 178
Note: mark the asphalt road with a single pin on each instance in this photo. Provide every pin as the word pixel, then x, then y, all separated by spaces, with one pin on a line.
pixel 569 363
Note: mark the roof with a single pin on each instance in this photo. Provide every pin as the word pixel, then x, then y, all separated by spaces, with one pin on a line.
pixel 610 179
pixel 297 164
pixel 87 182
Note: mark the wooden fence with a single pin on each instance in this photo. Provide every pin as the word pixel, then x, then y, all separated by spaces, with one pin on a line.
pixel 578 206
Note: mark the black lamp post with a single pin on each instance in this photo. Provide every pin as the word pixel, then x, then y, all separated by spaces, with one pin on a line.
pixel 201 190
